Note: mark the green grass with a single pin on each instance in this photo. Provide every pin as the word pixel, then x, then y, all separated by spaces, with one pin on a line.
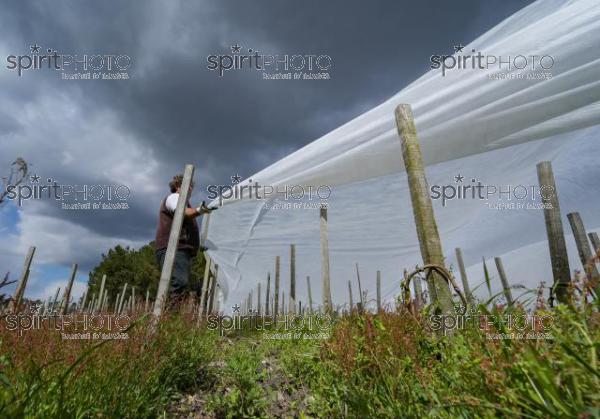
pixel 43 376
pixel 386 365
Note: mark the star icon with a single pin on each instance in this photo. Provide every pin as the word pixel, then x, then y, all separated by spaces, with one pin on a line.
pixel 458 178
pixel 458 48
pixel 236 179
pixel 35 178
pixel 35 48
pixel 235 48
pixel 236 308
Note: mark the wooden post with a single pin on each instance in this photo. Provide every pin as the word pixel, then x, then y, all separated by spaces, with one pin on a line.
pixel 147 305
pixel 378 291
pixel 90 307
pixel 258 300
pixel 325 260
pixel 213 289
pixel 309 295
pixel 277 276
pixel 55 299
pixel 205 282
pixel 554 229
pixel 22 284
pixel 105 302
pixel 250 301
pixel 101 297
pixel 504 279
pixel 117 300
pixel 351 303
pixel 292 303
pixel 583 246
pixel 360 293
pixel 418 293
pixel 205 230
pixel 268 296
pixel 427 231
pixel 83 298
pixel 463 274
pixel 132 298
pixel 122 299
pixel 167 269
pixel 282 311
pixel 67 297
pixel 595 241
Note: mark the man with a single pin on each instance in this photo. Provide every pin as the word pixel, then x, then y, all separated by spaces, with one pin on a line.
pixel 189 239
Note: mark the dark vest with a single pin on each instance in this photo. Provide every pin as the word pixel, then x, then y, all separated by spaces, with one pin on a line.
pixel 189 239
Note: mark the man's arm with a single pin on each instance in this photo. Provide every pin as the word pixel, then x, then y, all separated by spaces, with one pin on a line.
pixel 198 211
pixel 171 205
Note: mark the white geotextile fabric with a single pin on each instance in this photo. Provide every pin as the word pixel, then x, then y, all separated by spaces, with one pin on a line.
pixel 492 130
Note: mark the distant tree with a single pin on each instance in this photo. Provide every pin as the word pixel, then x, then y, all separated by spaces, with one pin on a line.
pixel 136 267
pixel 3 283
pixel 18 173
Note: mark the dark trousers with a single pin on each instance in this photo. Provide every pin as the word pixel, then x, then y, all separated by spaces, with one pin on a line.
pixel 181 270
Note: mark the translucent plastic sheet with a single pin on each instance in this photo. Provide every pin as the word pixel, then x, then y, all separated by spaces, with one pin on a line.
pixel 470 122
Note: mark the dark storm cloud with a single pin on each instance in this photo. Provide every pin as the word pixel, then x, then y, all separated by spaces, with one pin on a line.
pixel 238 123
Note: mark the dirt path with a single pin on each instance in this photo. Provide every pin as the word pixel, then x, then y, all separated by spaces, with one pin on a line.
pixel 247 379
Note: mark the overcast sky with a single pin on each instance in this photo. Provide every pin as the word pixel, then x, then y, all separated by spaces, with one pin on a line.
pixel 173 110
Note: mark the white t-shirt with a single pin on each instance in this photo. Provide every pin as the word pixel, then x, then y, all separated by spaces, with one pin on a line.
pixel 171 202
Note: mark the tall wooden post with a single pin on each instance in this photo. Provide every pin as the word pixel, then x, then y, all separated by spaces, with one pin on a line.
pixel 147 305
pixel 360 293
pixel 132 298
pixel 91 306
pixel 282 311
pixel 595 241
pixel 55 299
pixel 250 301
pixel 310 303
pixel 418 293
pixel 268 294
pixel 554 228
pixel 22 284
pixel 378 291
pixel 325 260
pixel 258 300
pixel 583 245
pixel 205 281
pixel 101 297
pixel 67 297
pixel 167 269
pixel 83 298
pixel 277 277
pixel 427 231
pixel 504 279
pixel 463 274
pixel 351 303
pixel 122 299
pixel 213 289
pixel 292 303
pixel 205 230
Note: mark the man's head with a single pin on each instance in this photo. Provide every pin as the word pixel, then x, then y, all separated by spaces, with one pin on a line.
pixel 175 184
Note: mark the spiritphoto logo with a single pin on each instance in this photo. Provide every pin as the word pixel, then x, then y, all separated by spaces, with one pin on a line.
pixel 72 66
pixel 71 196
pixel 293 326
pixel 254 190
pixel 509 66
pixel 71 326
pixel 272 66
pixel 495 196
pixel 496 326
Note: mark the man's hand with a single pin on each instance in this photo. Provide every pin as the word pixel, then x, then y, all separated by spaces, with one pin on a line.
pixel 203 209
